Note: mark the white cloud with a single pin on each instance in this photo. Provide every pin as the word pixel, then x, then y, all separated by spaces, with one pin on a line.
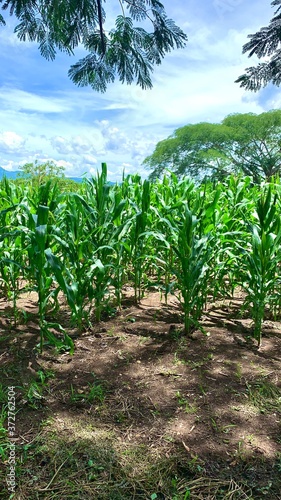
pixel 11 142
pixel 77 145
pixel 61 144
pixel 21 100
pixel 8 164
pixel 90 159
pixel 63 163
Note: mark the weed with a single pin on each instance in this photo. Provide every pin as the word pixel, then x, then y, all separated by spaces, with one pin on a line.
pixel 142 340
pixel 111 332
pixel 95 393
pixel 178 361
pixel 3 394
pixel 4 445
pixel 33 395
pixel 265 490
pixel 44 376
pixel 3 417
pixel 202 390
pixel 185 404
pixel 46 423
pixel 175 334
pixel 155 413
pixel 265 395
pixel 225 429
pixel 240 452
pixel 120 417
pixel 238 372
pixel 201 362
pixel 278 462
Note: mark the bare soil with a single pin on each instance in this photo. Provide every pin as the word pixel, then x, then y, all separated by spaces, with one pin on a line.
pixel 169 417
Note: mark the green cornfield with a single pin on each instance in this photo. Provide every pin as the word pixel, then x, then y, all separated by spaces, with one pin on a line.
pixel 200 243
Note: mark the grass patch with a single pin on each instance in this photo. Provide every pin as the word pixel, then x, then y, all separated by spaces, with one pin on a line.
pixel 264 395
pixel 91 463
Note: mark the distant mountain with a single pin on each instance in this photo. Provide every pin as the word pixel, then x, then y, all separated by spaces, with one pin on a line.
pixel 14 174
pixel 9 174
pixel 76 179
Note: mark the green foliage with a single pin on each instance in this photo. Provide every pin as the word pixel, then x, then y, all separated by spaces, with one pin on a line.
pixel 4 443
pixel 265 395
pixel 37 239
pixel 40 173
pixel 261 261
pixel 199 243
pixel 33 395
pixel 246 143
pixel 94 393
pixel 126 51
pixel 264 43
pixel 194 254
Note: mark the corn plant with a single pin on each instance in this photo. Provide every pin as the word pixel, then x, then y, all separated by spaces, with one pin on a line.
pixel 37 239
pixel 106 210
pixel 136 246
pixel 261 261
pixel 121 222
pixel 167 200
pixel 6 239
pixel 222 210
pixel 88 253
pixel 12 269
pixel 74 245
pixel 236 202
pixel 12 261
pixel 104 206
pixel 194 255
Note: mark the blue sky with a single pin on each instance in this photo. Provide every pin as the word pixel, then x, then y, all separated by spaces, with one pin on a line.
pixel 43 115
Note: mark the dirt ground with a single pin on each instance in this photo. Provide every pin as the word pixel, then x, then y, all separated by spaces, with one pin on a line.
pixel 140 411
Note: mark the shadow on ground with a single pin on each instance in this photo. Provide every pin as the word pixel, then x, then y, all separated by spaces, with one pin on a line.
pixel 138 410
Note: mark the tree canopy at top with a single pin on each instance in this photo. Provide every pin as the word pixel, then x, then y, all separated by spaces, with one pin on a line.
pixel 127 51
pixel 246 143
pixel 264 43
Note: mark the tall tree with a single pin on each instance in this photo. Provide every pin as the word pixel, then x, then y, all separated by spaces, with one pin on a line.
pixel 39 173
pixel 126 51
pixel 264 43
pixel 246 143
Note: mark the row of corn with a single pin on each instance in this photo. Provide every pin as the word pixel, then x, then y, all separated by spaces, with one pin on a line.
pixel 198 242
